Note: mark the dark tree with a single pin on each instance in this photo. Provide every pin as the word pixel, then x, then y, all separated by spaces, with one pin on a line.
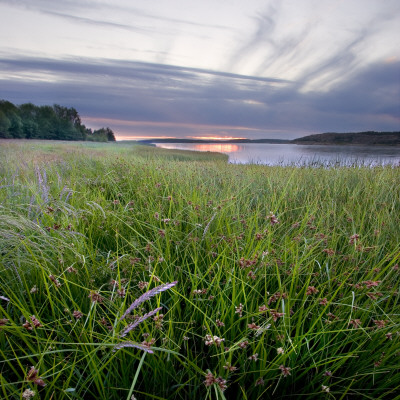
pixel 46 122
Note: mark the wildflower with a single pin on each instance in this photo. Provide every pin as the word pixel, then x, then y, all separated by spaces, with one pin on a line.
pixel 77 314
pixel 210 379
pixel 71 269
pixel 332 316
pixel 260 382
pixel 371 284
pixel 276 296
pixel 243 344
pixel 262 308
pixel 253 326
pixel 329 252
pixel 355 322
pixel 159 319
pixel 229 367
pixel 311 290
pixel 280 350
pixel 34 289
pixel 354 238
pixel 380 323
pixel 221 383
pixel 35 323
pixel 95 297
pixel 285 370
pixel 374 296
pixel 27 326
pixel 55 281
pixel 239 309
pixel 328 373
pixel 186 338
pixel 219 323
pixel 134 260
pixel 325 389
pixel 252 275
pixel 28 394
pixel 272 218
pixel 33 377
pixel 142 285
pixel 276 315
pixel 323 302
pixel 161 232
pixel 254 357
pixel 148 343
pixel 199 291
pixel 121 292
pixel 389 335
pixel 210 340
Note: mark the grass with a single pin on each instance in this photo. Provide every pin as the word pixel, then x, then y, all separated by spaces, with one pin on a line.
pixel 288 274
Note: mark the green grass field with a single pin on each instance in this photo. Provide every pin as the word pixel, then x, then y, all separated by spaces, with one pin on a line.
pixel 287 278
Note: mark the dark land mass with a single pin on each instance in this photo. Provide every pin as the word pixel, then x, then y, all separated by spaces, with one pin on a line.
pixel 352 138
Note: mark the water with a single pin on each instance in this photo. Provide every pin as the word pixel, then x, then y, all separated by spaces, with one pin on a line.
pixel 284 154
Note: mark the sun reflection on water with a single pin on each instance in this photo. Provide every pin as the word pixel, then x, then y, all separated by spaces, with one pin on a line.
pixel 218 147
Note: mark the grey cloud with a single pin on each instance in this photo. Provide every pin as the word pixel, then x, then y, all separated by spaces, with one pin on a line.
pixel 134 91
pixel 68 9
pixel 262 36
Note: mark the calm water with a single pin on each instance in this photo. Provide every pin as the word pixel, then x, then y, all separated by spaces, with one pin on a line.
pixel 282 154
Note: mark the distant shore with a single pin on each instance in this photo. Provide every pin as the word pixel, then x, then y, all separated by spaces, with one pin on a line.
pixel 369 138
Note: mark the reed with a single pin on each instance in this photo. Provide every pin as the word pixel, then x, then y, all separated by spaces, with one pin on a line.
pixel 244 281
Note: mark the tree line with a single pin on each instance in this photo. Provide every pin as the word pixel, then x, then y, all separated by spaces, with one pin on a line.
pixel 27 121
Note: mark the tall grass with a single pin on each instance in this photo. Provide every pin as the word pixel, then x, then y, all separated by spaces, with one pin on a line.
pixel 288 277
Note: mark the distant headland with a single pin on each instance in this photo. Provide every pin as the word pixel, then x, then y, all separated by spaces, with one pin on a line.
pixel 352 138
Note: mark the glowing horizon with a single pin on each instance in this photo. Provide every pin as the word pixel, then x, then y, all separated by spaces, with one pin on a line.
pixel 216 137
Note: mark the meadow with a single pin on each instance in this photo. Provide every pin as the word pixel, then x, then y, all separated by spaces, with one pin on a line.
pixel 130 272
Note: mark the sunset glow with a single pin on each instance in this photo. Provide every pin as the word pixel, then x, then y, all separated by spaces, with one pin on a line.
pixel 218 147
pixel 215 137
pixel 144 137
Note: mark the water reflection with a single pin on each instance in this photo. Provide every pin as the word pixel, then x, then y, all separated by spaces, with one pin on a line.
pixel 218 147
pixel 284 154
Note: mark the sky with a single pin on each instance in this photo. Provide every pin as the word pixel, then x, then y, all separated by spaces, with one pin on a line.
pixel 207 69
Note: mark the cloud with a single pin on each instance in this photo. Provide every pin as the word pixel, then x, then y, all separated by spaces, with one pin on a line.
pixel 154 99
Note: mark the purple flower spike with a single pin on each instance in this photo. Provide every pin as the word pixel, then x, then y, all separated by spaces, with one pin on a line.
pixel 146 296
pixel 138 321
pixel 135 345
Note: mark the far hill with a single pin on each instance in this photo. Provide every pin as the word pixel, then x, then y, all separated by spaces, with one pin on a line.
pixel 361 138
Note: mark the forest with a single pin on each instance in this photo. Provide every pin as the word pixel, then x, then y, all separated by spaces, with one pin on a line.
pixel 28 121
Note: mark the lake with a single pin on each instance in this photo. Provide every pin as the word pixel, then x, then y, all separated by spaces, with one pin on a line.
pixel 284 154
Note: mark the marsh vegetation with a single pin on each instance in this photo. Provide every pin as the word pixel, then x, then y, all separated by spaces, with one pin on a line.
pixel 273 282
